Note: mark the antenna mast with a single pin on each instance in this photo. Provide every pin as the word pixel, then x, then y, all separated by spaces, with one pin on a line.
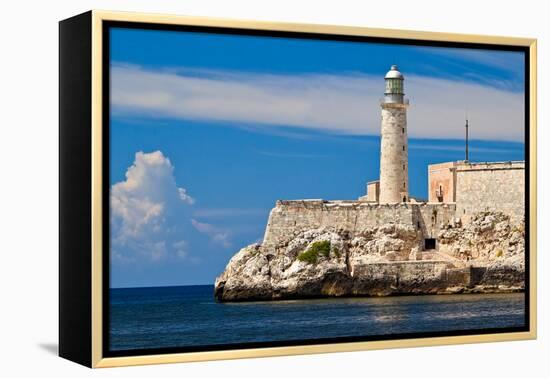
pixel 467 157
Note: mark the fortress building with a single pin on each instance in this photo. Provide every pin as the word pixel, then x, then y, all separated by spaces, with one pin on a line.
pixel 458 190
pixel 483 186
pixel 468 237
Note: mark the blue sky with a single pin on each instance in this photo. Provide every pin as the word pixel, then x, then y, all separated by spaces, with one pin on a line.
pixel 208 131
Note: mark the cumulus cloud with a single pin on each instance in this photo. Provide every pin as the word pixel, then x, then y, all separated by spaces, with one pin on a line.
pixel 339 103
pixel 140 210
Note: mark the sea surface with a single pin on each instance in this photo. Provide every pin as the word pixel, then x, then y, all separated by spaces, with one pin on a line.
pixel 188 316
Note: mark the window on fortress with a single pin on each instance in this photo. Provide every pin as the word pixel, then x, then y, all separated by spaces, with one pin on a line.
pixel 439 194
pixel 403 148
pixel 403 130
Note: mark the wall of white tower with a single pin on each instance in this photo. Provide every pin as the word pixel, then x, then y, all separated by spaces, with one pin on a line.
pixel 394 177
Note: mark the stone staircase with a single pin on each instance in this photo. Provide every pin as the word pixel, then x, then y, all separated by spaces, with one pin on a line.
pixel 436 255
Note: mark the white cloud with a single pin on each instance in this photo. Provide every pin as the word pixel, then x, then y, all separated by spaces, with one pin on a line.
pixel 511 61
pixel 181 248
pixel 216 234
pixel 157 250
pixel 505 149
pixel 139 209
pixel 347 103
pixel 185 197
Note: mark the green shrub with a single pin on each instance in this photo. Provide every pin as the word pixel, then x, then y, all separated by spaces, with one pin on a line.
pixel 312 253
pixel 308 256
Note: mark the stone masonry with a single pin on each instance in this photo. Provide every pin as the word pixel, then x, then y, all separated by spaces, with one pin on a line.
pixel 475 187
pixel 497 186
pixel 288 216
pixel 394 181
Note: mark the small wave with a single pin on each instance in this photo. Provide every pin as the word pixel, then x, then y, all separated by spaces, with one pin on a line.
pixel 389 318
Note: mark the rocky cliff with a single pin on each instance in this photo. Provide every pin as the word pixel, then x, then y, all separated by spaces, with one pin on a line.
pixel 320 259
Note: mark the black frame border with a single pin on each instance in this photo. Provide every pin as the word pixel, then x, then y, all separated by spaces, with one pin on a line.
pixel 75 188
pixel 106 27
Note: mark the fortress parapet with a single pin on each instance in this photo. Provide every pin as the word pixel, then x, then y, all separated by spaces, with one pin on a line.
pixel 288 218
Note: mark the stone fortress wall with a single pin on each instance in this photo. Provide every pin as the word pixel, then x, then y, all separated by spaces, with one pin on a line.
pixel 431 217
pixel 289 217
pixel 373 192
pixel 491 187
pixel 441 182
pixel 458 191
pixel 475 187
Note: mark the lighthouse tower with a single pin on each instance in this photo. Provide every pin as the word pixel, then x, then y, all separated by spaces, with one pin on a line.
pixel 394 176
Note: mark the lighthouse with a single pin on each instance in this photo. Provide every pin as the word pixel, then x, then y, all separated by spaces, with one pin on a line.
pixel 394 164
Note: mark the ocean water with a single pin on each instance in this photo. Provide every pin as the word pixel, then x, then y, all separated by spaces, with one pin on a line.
pixel 188 316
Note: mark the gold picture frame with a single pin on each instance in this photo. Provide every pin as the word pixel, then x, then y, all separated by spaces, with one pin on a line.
pixel 89 268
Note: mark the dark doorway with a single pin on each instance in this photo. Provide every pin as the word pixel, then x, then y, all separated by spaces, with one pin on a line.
pixel 429 243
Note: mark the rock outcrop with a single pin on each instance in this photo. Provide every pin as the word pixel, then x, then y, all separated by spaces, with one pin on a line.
pixel 490 240
pixel 486 255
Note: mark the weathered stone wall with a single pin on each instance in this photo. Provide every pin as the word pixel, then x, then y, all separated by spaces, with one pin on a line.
pixel 289 217
pixel 441 182
pixel 430 217
pixel 373 192
pixel 394 182
pixel 490 187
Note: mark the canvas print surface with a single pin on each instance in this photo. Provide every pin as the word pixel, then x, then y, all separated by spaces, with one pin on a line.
pixel 284 190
